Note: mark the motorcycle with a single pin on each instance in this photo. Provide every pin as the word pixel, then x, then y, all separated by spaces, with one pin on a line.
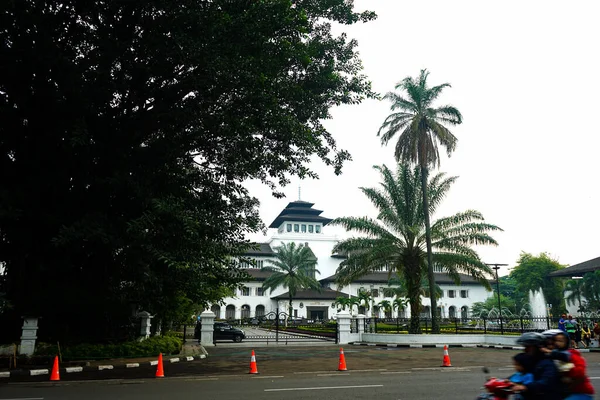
pixel 496 389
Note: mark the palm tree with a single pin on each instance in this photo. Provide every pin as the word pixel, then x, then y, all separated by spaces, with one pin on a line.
pixel 591 289
pixel 364 297
pixel 575 289
pixel 294 269
pixel 386 305
pixel 397 237
pixel 399 303
pixel 344 302
pixel 353 301
pixel 420 127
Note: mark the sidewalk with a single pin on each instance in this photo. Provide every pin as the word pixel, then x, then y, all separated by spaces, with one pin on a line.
pixel 191 351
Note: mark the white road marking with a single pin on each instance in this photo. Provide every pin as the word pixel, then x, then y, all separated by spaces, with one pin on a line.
pixel 354 370
pixel 103 367
pixel 332 374
pixel 595 377
pixel 267 377
pixel 322 388
pixel 201 379
pixel 132 365
pixel 26 398
pixel 73 369
pixel 395 372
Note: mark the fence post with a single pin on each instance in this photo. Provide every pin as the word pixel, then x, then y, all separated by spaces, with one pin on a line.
pixel 397 325
pixel 522 326
pixel 456 325
pixel 426 326
pixel 484 326
pixel 184 332
pixel 277 325
pixel 548 321
pixel 375 324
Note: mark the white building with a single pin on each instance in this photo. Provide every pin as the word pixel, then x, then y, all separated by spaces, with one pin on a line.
pixel 304 225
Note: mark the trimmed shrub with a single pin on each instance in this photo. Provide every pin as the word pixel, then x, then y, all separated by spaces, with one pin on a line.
pixel 167 344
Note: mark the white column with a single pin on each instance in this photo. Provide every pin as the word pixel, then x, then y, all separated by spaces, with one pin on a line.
pixel 361 324
pixel 207 320
pixel 343 320
pixel 29 335
pixel 146 323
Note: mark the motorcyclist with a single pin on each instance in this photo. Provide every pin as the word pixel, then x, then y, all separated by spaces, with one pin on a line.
pixel 574 370
pixel 546 379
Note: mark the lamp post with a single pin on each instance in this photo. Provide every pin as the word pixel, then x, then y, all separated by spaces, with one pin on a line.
pixel 496 267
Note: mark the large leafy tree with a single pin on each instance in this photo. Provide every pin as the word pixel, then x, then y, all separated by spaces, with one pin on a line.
pixel 293 269
pixel 127 129
pixel 396 239
pixel 419 127
pixel 532 274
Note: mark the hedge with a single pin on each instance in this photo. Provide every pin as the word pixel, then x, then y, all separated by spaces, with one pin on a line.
pixel 167 344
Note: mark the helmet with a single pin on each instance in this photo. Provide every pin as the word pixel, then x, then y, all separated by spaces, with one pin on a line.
pixel 550 333
pixel 531 339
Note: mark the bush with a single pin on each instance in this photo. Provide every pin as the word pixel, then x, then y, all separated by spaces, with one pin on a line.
pixel 168 344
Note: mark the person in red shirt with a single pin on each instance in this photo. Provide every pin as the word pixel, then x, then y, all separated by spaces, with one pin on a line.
pixel 579 385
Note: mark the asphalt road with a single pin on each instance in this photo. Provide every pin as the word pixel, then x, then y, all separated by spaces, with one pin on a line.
pixel 398 384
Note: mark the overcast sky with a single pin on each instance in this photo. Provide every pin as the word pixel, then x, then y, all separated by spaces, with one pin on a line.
pixel 526 77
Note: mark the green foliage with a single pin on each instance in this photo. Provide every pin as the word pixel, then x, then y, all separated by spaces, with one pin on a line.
pixel 532 273
pixel 167 344
pixel 396 240
pixel 590 290
pixel 127 129
pixel 420 127
pixel 293 268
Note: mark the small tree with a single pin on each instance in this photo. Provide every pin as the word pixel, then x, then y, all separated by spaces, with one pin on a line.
pixel 294 269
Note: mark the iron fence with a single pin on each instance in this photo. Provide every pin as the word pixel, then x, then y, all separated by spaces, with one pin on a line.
pixel 506 325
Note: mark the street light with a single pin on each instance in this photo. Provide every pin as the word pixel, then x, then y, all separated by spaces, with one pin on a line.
pixel 497 267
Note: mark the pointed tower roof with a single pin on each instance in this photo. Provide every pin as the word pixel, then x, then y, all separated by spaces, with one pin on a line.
pixel 299 211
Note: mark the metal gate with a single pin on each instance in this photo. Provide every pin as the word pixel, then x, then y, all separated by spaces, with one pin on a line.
pixel 277 327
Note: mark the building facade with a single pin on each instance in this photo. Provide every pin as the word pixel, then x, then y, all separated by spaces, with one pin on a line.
pixel 299 222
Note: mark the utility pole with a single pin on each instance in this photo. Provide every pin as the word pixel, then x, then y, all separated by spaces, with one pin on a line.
pixel 496 267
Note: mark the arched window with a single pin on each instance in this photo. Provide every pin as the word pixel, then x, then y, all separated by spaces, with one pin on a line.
pixel 245 311
pixel 426 312
pixel 230 312
pixel 260 311
pixel 464 312
pixel 216 309
pixel 452 312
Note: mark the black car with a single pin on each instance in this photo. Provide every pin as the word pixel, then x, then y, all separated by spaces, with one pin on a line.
pixel 224 331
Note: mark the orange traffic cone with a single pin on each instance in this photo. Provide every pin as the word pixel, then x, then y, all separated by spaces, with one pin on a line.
pixel 160 373
pixel 342 363
pixel 55 376
pixel 446 362
pixel 253 367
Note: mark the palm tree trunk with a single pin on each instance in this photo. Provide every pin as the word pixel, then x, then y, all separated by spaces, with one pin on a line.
pixel 435 326
pixel 414 299
pixel 291 310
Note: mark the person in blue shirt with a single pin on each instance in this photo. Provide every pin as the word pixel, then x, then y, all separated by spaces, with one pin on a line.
pixel 524 364
pixel 546 382
pixel 561 323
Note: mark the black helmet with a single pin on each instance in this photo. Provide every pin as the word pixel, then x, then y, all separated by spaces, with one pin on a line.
pixel 531 339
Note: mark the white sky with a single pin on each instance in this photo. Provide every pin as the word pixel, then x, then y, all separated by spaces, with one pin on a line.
pixel 526 77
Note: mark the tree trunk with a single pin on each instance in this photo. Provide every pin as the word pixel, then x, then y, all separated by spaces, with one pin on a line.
pixel 435 325
pixel 291 310
pixel 413 289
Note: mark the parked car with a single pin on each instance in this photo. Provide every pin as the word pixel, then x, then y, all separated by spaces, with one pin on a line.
pixel 224 331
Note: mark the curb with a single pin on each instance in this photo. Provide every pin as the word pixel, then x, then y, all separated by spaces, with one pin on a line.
pixel 432 346
pixel 71 370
